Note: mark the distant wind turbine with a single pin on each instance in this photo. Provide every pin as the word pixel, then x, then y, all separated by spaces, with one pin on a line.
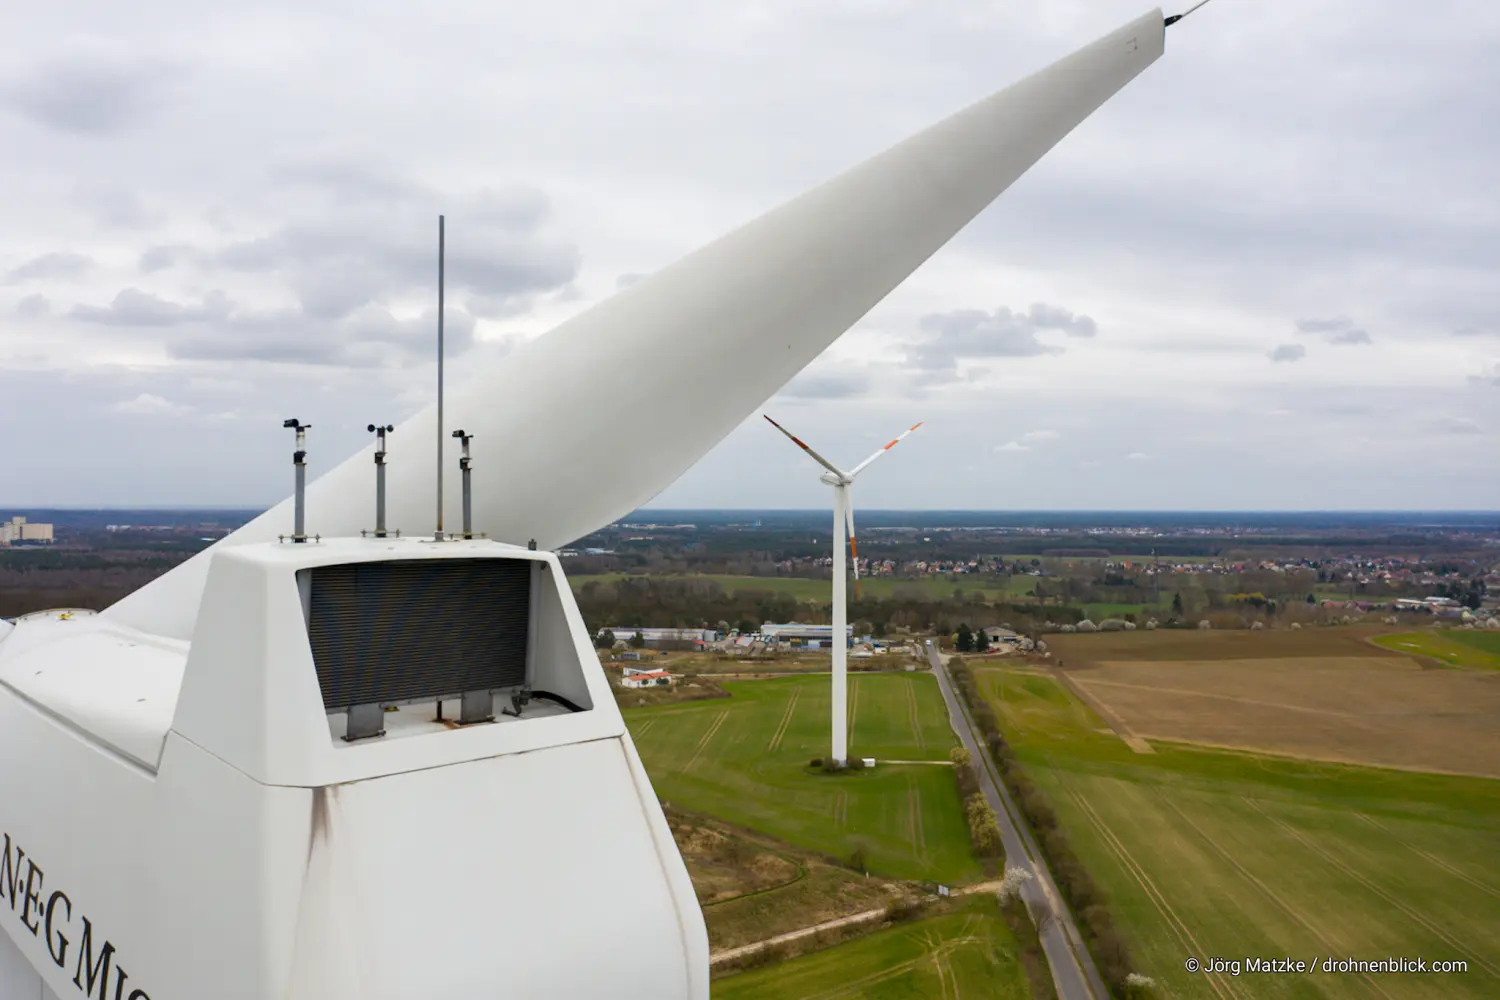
pixel 843 513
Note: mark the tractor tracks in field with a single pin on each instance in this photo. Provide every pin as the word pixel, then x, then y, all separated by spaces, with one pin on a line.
pixel 706 738
pixel 1439 862
pixel 913 715
pixel 854 686
pixel 1179 928
pixel 914 820
pixel 1391 898
pixel 1266 890
pixel 786 720
pixel 841 808
pixel 937 952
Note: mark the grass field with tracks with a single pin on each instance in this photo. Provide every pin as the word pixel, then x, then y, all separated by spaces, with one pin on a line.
pixel 745 760
pixel 969 954
pixel 1207 852
pixel 1451 646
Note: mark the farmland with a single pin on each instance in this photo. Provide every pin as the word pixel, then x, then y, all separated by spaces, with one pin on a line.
pixel 1325 696
pixel 1451 646
pixel 970 954
pixel 1205 851
pixel 744 759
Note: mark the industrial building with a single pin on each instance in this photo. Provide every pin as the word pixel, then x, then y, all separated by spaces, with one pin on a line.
pixel 657 637
pixel 809 636
pixel 17 529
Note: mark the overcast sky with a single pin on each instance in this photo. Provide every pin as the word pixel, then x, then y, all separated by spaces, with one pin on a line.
pixel 1263 276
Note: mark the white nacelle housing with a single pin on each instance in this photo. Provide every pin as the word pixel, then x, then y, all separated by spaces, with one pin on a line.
pixel 189 821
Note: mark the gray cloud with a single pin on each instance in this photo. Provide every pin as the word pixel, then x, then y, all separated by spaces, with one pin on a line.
pixel 500 306
pixel 1476 331
pixel 354 269
pixel 52 265
pixel 89 90
pixel 216 329
pixel 369 338
pixel 1457 425
pixel 33 307
pixel 1335 331
pixel 381 245
pixel 133 307
pixel 159 258
pixel 1288 352
pixel 974 333
pixel 1323 325
pixel 1028 441
pixel 114 206
pixel 147 404
pixel 816 385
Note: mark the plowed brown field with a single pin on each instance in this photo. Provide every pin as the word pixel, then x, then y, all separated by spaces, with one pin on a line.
pixel 1322 694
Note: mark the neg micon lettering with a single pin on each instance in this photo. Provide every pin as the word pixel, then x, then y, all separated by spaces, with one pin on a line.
pixel 49 917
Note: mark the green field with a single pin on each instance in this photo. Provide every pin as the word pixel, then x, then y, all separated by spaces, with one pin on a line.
pixel 745 760
pixel 1231 854
pixel 969 954
pixel 1455 647
pixel 1487 641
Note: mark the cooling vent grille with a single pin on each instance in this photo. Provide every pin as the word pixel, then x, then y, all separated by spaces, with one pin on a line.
pixel 386 632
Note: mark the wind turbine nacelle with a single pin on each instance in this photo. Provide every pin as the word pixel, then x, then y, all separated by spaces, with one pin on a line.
pixel 183 822
pixel 830 479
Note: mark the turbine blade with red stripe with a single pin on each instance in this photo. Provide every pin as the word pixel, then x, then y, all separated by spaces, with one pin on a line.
pixel 853 548
pixel 800 444
pixel 861 466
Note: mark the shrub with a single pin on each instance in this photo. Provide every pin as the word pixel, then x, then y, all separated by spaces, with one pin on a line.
pixel 817 762
pixel 900 910
pixel 968 782
pixel 984 826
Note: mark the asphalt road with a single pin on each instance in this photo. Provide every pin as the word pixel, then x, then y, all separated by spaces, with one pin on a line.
pixel 1073 969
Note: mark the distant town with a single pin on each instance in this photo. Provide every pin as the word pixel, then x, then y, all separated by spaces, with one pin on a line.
pixel 704 568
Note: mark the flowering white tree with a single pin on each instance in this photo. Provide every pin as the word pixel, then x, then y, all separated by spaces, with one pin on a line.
pixel 1010 885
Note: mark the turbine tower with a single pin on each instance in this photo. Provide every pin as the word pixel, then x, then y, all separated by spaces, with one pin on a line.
pixel 843 513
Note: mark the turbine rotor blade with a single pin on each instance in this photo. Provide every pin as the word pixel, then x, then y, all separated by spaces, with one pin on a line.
pixel 861 466
pixel 803 445
pixel 853 548
pixel 759 304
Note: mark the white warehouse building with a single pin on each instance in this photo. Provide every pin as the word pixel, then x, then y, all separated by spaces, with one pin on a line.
pixel 820 635
pixel 656 636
